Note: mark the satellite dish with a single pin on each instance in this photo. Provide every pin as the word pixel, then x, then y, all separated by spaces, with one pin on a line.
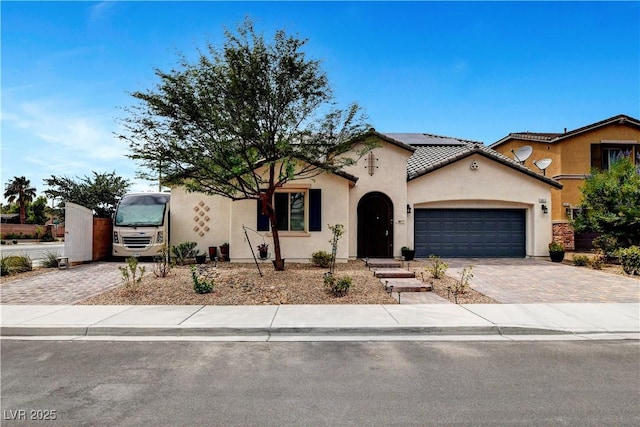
pixel 542 164
pixel 522 153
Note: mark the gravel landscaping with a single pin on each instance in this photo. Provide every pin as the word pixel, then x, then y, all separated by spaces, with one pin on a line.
pixel 241 284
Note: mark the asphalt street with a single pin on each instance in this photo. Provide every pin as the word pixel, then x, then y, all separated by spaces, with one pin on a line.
pixel 135 383
pixel 36 251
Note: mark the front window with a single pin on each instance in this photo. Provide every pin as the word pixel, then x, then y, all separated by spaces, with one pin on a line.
pixel 612 155
pixel 290 211
pixel 141 210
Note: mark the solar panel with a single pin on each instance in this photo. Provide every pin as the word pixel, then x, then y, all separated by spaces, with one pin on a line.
pixel 423 139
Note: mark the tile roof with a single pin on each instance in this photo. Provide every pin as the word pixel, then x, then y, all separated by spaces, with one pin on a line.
pixel 440 151
pixel 552 138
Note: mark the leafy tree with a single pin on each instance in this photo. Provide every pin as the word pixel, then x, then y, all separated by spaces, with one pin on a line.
pixel 36 211
pixel 19 190
pixel 611 203
pixel 99 192
pixel 243 120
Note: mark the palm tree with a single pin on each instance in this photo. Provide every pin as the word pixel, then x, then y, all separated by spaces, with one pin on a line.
pixel 19 189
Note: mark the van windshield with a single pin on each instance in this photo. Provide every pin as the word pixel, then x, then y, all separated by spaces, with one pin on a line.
pixel 139 210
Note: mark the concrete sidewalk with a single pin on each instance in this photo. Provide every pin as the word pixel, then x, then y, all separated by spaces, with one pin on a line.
pixel 325 322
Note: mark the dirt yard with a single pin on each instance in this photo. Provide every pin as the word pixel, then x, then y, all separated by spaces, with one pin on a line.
pixel 241 284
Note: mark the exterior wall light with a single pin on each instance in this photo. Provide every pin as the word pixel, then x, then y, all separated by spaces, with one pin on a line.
pixel 545 210
pixel 408 208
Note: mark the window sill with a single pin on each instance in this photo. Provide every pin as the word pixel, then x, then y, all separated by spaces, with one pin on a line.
pixel 291 234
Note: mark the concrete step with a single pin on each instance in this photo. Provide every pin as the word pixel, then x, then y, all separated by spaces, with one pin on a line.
pixel 383 263
pixel 405 285
pixel 393 273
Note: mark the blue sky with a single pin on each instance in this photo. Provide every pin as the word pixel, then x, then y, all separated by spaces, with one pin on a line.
pixel 473 70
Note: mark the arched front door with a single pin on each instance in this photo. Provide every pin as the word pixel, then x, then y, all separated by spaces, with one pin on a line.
pixel 375 226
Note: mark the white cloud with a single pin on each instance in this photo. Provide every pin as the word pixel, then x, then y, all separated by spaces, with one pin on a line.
pixel 48 137
pixel 101 11
pixel 83 134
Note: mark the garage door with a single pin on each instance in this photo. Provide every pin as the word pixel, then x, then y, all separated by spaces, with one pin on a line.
pixel 474 233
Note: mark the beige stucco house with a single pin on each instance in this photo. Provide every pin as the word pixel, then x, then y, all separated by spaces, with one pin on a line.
pixel 434 194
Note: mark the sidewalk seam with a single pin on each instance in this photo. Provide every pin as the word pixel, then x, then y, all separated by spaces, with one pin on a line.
pixel 270 327
pixel 391 315
pixel 192 314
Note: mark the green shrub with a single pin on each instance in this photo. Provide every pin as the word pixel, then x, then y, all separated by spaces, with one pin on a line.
pixel 50 259
pixel 47 237
pixel 201 283
pixel 556 247
pixel 162 265
pixel 16 264
pixel 184 251
pixel 437 268
pixel 630 260
pixel 130 274
pixel 607 245
pixel 597 262
pixel 337 286
pixel 580 260
pixel 321 259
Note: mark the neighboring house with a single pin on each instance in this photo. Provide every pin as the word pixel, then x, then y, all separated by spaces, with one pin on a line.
pixel 573 155
pixel 10 218
pixel 438 195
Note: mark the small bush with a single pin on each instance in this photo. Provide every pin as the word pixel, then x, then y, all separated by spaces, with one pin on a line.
pixel 321 259
pixel 47 237
pixel 556 247
pixel 201 283
pixel 337 286
pixel 162 265
pixel 630 260
pixel 437 268
pixel 16 264
pixel 580 260
pixel 184 251
pixel 597 262
pixel 607 245
pixel 130 273
pixel 50 259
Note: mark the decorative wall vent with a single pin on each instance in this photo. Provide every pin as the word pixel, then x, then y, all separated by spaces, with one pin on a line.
pixel 200 218
pixel 371 163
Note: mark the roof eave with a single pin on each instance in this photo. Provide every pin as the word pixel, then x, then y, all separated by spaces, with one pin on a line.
pixel 478 150
pixel 400 144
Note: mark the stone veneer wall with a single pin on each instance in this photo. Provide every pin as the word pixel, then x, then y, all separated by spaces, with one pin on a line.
pixel 563 233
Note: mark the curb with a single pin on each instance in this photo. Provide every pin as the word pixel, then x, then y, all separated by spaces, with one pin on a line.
pixel 120 331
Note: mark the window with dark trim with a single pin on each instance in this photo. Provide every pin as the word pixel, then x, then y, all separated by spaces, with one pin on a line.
pixel 293 211
pixel 604 155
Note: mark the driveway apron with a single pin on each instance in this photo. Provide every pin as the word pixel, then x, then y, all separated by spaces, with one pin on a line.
pixel 67 286
pixel 522 281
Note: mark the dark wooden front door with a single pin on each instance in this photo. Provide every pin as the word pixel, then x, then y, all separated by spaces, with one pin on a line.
pixel 375 226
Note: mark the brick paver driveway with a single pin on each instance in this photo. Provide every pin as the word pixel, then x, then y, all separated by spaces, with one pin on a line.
pixel 512 281
pixel 62 286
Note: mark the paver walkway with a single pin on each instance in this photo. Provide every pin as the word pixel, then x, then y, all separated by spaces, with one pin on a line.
pixel 525 281
pixel 62 286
